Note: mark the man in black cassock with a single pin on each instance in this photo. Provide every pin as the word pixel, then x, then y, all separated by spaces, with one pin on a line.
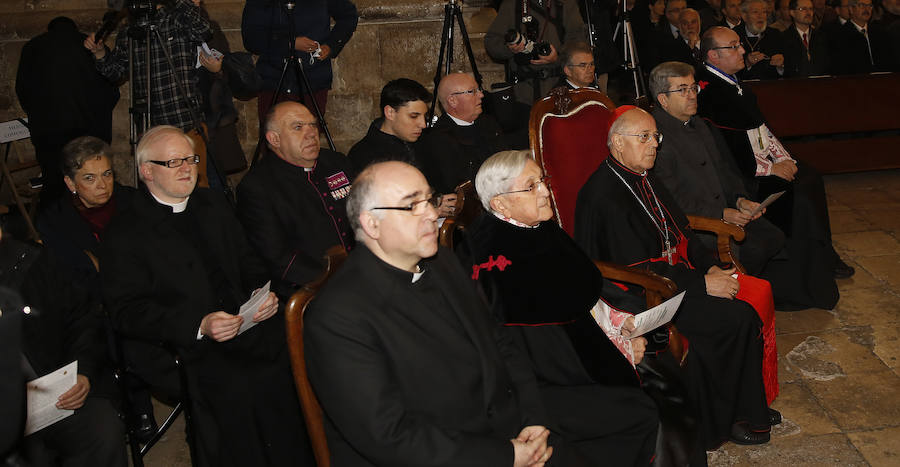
pixel 452 150
pixel 291 202
pixel 767 168
pixel 406 362
pixel 542 288
pixel 176 268
pixel 626 216
pixel 696 166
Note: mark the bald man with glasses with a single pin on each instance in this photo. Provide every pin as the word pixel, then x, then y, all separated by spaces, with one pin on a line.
pixel 408 365
pixel 461 139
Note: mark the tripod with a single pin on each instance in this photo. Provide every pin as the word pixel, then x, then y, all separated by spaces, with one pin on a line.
pixel 294 61
pixel 630 55
pixel 140 111
pixel 452 13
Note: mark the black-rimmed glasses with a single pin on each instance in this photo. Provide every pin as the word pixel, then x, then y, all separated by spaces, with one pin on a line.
pixel 644 138
pixel 470 91
pixel 416 208
pixel 545 180
pixel 173 163
pixel 685 90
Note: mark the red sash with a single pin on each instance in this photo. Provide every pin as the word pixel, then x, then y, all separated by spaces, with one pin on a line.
pixel 758 293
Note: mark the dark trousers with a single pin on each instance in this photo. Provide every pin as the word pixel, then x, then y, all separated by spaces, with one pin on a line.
pixel 94 435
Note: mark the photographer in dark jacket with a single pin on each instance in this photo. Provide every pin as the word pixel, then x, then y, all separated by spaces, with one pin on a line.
pixel 552 26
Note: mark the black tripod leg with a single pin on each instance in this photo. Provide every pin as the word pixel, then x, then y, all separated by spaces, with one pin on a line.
pixel 440 63
pixel 301 78
pixel 465 39
pixel 262 130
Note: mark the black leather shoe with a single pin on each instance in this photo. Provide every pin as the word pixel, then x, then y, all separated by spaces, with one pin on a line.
pixel 742 434
pixel 144 428
pixel 774 417
pixel 843 270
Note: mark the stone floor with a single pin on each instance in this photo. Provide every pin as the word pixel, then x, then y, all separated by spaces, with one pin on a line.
pixel 839 369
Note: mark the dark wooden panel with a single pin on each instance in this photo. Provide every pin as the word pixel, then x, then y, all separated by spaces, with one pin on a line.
pixel 830 105
pixel 849 155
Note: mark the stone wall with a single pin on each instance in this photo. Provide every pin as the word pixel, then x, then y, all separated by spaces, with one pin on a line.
pixel 395 38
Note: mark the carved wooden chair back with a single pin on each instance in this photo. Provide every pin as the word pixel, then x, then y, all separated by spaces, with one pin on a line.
pixel 293 314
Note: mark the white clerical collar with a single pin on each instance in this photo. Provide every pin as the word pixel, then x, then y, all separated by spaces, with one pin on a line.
pixel 513 221
pixel 460 122
pixel 728 78
pixel 176 207
pixel 418 274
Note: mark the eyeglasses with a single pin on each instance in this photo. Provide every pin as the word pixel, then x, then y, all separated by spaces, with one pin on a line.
pixel 732 47
pixel 582 65
pixel 803 8
pixel 470 91
pixel 417 208
pixel 685 90
pixel 173 163
pixel 545 180
pixel 644 138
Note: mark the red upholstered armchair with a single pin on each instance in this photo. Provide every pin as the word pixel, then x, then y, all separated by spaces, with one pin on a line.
pixel 568 131
pixel 568 137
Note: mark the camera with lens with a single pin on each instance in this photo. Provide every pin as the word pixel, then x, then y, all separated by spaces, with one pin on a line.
pixel 532 51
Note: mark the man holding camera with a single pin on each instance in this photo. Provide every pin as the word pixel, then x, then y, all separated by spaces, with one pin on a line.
pixel 529 43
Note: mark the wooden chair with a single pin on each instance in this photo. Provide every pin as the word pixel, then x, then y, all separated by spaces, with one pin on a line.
pixel 293 315
pixel 468 207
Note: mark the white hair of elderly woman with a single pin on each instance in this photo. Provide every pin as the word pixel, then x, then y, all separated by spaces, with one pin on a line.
pixel 498 173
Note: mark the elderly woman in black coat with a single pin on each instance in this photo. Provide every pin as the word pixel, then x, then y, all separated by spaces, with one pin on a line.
pixel 547 294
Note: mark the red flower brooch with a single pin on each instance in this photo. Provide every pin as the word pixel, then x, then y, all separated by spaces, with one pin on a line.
pixel 703 84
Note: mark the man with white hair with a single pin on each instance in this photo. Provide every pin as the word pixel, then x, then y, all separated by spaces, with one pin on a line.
pixel 764 50
pixel 408 365
pixel 562 314
pixel 176 268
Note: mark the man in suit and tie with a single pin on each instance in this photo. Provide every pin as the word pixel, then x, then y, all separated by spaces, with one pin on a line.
pixel 731 10
pixel 578 67
pixel 862 48
pixel 806 50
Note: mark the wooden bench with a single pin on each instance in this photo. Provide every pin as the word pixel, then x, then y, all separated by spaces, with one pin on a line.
pixel 836 124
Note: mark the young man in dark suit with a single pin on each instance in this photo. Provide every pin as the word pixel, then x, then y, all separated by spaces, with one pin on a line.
pixel 806 50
